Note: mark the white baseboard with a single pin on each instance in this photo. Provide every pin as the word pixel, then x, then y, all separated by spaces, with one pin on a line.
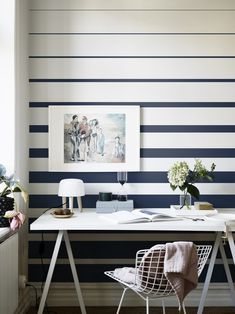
pixel 108 294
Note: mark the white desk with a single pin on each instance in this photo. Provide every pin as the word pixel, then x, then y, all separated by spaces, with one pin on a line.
pixel 89 220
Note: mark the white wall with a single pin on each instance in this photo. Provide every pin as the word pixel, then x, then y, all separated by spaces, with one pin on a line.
pixel 173 58
pixel 7 83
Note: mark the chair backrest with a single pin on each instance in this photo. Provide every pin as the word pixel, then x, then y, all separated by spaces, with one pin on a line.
pixel 150 278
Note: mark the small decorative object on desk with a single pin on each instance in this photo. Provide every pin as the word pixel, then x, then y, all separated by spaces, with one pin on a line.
pixel 9 213
pixel 62 213
pixel 122 179
pixel 180 176
pixel 203 206
pixel 105 196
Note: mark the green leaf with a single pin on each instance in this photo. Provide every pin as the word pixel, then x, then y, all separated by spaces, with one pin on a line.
pixel 173 187
pixel 16 189
pixel 183 187
pixel 209 178
pixel 193 190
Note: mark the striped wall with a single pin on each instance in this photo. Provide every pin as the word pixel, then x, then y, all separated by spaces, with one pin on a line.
pixel 176 60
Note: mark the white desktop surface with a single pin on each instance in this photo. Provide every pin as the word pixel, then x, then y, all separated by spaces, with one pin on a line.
pixel 90 220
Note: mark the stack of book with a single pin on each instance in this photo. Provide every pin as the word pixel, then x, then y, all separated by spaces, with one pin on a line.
pixel 113 206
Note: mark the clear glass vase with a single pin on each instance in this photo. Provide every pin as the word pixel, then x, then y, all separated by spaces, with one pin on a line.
pixel 185 201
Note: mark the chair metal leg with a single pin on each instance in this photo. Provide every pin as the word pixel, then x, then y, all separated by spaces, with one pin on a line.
pixel 121 300
pixel 147 305
pixel 183 307
pixel 163 307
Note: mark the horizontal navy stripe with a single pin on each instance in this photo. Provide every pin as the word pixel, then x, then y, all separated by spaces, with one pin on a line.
pixel 111 177
pixel 140 201
pixel 38 128
pixel 187 128
pixel 99 249
pixel 89 249
pixel 161 128
pixel 141 104
pixel 96 177
pixel 187 152
pixel 38 153
pixel 131 80
pixel 132 57
pixel 164 152
pixel 62 273
pixel 95 273
pixel 130 33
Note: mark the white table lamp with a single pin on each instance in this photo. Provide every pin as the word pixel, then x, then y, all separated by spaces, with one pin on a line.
pixel 71 188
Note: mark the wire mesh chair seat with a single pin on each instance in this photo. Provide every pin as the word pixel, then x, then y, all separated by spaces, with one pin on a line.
pixel 149 279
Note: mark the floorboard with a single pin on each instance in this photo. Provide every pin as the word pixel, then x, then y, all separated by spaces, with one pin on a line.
pixel 131 310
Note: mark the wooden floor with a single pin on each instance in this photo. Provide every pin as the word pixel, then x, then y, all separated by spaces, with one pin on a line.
pixel 131 310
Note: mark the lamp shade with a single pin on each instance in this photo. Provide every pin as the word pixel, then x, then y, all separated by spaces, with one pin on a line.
pixel 71 188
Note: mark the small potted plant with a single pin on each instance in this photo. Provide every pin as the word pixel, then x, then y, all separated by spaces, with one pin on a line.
pixel 9 214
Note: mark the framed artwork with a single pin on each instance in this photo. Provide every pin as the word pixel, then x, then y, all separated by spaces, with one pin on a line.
pixel 94 138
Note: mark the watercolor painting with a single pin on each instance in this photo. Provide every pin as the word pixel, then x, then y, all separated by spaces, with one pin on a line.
pixel 94 138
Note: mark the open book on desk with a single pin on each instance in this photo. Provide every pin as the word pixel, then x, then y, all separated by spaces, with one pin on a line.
pixel 140 215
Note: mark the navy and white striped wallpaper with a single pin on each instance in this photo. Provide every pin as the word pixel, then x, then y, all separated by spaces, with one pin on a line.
pixel 176 61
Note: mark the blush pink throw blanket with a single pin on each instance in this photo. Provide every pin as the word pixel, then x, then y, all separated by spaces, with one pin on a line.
pixel 180 268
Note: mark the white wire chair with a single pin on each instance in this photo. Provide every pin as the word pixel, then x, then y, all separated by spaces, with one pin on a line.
pixel 150 281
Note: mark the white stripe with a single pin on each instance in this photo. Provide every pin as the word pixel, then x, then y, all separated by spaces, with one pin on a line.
pixel 163 140
pixel 188 116
pixel 163 116
pixel 164 164
pixel 184 140
pixel 38 116
pixel 38 140
pixel 153 164
pixel 131 4
pixel 131 68
pixel 128 45
pixel 135 188
pixel 132 21
pixel 129 92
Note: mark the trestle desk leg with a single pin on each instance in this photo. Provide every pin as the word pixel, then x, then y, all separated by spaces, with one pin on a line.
pixel 209 272
pixel 227 271
pixel 231 245
pixel 74 272
pixel 50 271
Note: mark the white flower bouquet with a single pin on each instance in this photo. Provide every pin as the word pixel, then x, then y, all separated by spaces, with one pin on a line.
pixel 180 176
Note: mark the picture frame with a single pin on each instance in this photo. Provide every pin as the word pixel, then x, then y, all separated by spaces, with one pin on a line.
pixel 94 138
